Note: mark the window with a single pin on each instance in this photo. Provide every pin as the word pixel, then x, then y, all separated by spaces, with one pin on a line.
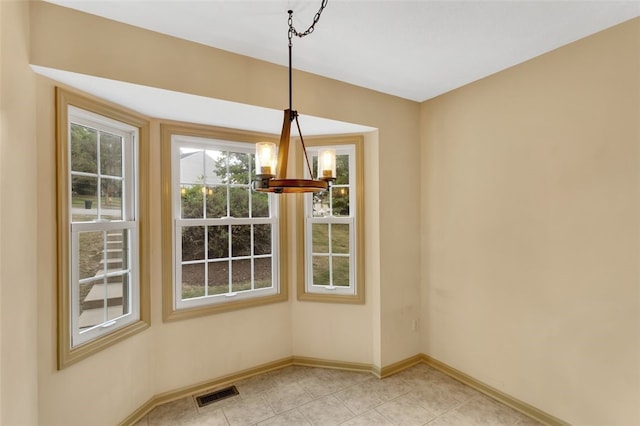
pixel 99 179
pixel 330 229
pixel 224 237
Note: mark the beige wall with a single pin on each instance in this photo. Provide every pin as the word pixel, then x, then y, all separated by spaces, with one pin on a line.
pixel 172 355
pixel 531 238
pixel 18 257
pixel 529 207
pixel 346 332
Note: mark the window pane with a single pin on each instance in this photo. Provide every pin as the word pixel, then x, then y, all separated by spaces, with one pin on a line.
pixel 83 149
pixel 320 238
pixel 118 245
pixel 84 193
pixel 263 273
pixel 216 201
pixel 340 271
pixel 191 166
pixel 103 300
pixel 239 202
pixel 218 277
pixel 110 154
pixel 116 293
pixel 100 166
pixel 90 254
pixel 340 238
pixel 241 275
pixel 259 204
pixel 91 303
pixel 213 167
pixel 314 165
pixel 320 270
pixel 217 173
pixel 340 202
pixel 117 290
pixel 240 240
pixel 217 188
pixel 117 251
pixel 192 201
pixel 330 218
pixel 321 206
pixel 342 169
pixel 192 280
pixel 218 242
pixel 111 202
pixel 192 243
pixel 238 168
pixel 127 283
pixel 261 239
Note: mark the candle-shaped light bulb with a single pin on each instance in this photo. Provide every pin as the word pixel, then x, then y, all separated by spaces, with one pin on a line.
pixel 266 159
pixel 327 164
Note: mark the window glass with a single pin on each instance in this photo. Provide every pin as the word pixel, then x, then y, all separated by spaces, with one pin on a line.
pixel 227 232
pixel 102 274
pixel 103 242
pixel 331 237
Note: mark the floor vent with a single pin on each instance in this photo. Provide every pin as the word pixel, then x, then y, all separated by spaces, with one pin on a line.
pixel 219 395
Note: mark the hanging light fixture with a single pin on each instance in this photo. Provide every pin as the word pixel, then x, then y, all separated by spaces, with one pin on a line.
pixel 271 173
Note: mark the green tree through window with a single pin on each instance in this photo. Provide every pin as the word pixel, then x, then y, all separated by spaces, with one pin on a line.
pixel 224 231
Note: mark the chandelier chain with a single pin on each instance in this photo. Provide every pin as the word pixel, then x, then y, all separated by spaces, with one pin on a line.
pixel 316 18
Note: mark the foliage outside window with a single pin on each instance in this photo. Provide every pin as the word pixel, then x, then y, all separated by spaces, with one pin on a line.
pixel 99 229
pixel 331 229
pixel 224 237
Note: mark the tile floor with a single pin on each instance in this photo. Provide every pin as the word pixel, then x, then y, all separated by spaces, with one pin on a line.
pixel 295 395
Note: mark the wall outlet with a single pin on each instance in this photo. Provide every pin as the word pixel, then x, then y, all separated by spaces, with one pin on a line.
pixel 414 325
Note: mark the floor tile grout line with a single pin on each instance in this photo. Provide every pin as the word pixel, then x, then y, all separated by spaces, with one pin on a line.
pixel 455 407
pixel 410 383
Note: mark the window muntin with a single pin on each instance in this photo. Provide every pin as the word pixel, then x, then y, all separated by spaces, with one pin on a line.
pixel 330 230
pixel 103 231
pixel 225 236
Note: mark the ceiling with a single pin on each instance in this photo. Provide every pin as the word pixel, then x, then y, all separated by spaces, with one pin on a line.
pixel 412 49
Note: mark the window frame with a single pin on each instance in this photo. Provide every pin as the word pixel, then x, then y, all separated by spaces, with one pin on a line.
pixel 173 309
pixel 103 115
pixel 305 291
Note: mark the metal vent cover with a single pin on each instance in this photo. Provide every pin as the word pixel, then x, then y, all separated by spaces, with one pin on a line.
pixel 217 395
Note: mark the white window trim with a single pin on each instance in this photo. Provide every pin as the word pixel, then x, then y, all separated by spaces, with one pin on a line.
pixel 183 141
pixel 130 222
pixel 309 220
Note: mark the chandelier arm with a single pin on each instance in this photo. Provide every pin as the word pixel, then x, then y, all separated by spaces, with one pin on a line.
pixel 304 149
pixel 283 147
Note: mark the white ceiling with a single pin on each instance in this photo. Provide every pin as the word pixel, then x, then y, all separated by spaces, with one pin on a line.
pixel 412 49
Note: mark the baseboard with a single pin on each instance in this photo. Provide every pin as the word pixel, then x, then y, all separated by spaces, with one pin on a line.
pixel 516 404
pixel 199 388
pixel 397 367
pixel 165 397
pixel 379 372
pixel 338 365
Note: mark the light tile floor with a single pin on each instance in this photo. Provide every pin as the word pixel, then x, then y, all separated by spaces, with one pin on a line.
pixel 419 395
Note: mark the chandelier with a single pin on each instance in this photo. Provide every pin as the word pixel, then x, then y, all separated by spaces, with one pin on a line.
pixel 271 172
